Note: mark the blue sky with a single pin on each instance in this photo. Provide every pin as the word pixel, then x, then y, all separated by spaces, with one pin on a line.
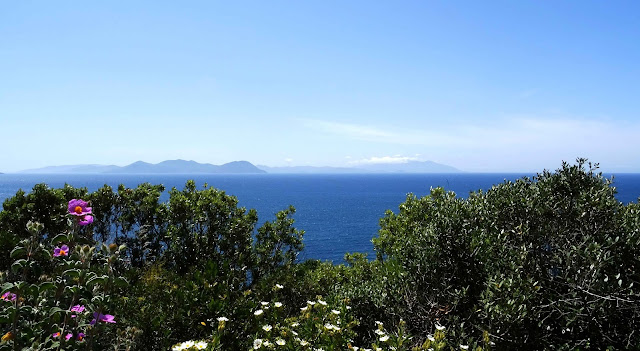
pixel 484 86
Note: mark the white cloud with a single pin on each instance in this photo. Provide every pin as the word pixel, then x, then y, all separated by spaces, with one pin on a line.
pixel 507 133
pixel 385 159
pixel 516 143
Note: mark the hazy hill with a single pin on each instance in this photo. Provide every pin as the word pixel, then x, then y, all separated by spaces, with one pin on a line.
pixel 408 167
pixel 243 167
pixel 182 166
pixel 140 167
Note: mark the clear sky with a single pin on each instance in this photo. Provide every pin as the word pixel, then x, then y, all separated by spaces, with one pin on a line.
pixel 484 86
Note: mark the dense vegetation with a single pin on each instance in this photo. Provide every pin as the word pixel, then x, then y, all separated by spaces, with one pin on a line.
pixel 545 263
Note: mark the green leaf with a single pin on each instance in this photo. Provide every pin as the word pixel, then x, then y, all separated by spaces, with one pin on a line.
pixel 59 239
pixel 55 310
pixel 18 251
pixel 17 265
pixel 121 282
pixel 46 286
pixel 26 309
pixel 72 272
pixel 96 279
pixel 7 286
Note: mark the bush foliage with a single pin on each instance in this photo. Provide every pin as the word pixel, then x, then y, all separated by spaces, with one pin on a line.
pixel 549 262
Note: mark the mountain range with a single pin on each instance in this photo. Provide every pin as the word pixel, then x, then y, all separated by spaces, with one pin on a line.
pixel 164 167
pixel 242 167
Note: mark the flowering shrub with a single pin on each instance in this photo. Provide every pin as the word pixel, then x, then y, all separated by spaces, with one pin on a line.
pixel 191 345
pixel 64 307
pixel 318 324
pixel 212 344
pixel 549 262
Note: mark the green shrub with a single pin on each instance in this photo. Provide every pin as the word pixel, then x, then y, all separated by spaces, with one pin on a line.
pixel 548 262
pixel 188 261
pixel 544 263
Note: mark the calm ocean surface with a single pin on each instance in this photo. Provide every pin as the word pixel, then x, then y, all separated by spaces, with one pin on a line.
pixel 338 212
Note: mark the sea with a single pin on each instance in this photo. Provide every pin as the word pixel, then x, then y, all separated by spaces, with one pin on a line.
pixel 339 213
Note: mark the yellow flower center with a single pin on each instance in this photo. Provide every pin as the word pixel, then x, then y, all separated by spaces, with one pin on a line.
pixel 63 252
pixel 78 209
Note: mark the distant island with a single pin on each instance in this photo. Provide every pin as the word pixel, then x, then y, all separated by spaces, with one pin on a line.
pixel 240 167
pixel 165 167
pixel 406 167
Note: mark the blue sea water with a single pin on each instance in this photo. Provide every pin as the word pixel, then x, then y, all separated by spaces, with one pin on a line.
pixel 338 212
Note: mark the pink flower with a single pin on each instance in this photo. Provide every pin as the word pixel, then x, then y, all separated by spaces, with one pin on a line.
pixel 56 335
pixel 78 309
pixel 8 296
pixel 85 220
pixel 61 251
pixel 68 336
pixel 107 318
pixel 78 207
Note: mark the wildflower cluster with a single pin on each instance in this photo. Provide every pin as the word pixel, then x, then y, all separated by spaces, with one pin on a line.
pixel 64 308
pixel 318 325
pixel 81 211
pixel 8 296
pixel 190 345
pixel 212 344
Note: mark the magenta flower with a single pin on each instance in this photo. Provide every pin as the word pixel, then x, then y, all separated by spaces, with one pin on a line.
pixel 78 309
pixel 85 220
pixel 56 335
pixel 78 207
pixel 80 337
pixel 107 318
pixel 8 296
pixel 61 251
pixel 68 336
